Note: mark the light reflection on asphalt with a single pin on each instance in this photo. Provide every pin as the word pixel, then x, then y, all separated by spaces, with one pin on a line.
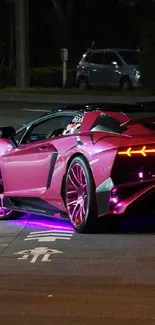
pixel 128 224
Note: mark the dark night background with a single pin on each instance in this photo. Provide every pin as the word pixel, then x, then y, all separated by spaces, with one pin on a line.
pixel 74 24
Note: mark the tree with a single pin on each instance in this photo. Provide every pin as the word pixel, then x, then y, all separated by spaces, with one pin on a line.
pixel 147 63
pixel 64 10
pixel 10 4
pixel 147 42
pixel 134 3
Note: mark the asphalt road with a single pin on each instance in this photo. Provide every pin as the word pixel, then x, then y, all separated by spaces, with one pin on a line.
pixel 18 113
pixel 51 275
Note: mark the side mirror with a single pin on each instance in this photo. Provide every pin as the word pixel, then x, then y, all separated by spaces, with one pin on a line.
pixel 7 132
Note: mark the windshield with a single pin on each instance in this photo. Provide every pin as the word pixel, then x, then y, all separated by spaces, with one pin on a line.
pixel 130 57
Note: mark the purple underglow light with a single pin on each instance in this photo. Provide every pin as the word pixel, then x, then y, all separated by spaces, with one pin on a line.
pixel 114 199
pixel 114 190
pixel 141 175
pixel 43 223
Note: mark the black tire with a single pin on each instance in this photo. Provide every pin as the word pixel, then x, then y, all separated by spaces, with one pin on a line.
pixel 82 83
pixel 91 210
pixel 125 83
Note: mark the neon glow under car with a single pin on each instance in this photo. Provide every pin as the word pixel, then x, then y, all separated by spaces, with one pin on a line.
pixel 81 162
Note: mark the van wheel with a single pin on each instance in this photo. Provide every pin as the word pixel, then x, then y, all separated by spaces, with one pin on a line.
pixel 125 83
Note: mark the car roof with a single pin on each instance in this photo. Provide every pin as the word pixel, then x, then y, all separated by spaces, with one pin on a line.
pixel 112 49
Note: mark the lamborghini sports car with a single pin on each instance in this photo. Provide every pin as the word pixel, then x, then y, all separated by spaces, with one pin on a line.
pixel 80 162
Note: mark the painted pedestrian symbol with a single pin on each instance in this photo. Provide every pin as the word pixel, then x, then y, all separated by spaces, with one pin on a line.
pixel 43 253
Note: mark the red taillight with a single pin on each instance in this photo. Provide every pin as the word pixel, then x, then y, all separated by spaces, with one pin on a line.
pixel 143 151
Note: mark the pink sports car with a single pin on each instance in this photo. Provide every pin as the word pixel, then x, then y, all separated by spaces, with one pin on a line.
pixel 80 162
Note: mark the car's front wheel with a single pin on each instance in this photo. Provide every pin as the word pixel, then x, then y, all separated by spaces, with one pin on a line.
pixel 125 83
pixel 80 195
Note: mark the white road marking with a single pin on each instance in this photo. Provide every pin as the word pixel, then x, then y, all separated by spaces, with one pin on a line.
pixel 24 257
pixel 4 245
pixel 47 239
pixel 43 253
pixel 49 236
pixel 53 231
pixel 34 259
pixel 35 110
pixel 46 258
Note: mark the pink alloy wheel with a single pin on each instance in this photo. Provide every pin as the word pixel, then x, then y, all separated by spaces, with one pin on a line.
pixel 77 194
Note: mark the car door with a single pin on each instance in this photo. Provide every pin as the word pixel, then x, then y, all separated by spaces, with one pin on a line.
pixel 95 69
pixel 27 170
pixel 111 70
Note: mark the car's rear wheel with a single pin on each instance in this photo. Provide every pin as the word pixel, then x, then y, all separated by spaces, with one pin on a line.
pixel 4 212
pixel 80 195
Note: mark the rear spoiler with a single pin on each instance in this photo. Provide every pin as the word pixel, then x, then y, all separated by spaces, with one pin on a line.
pixel 148 119
pixel 133 107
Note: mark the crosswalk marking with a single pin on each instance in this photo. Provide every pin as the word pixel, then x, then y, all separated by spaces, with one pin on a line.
pixel 51 231
pixel 47 239
pixel 49 236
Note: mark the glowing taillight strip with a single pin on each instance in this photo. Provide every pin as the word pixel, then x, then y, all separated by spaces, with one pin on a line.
pixel 129 152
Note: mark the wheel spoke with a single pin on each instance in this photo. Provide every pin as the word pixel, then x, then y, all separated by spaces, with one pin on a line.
pixel 78 171
pixel 76 178
pixel 84 208
pixel 75 212
pixel 72 182
pixel 81 176
pixel 69 193
pixel 72 202
pixel 82 215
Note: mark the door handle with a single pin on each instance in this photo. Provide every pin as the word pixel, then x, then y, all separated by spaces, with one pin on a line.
pixel 43 148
